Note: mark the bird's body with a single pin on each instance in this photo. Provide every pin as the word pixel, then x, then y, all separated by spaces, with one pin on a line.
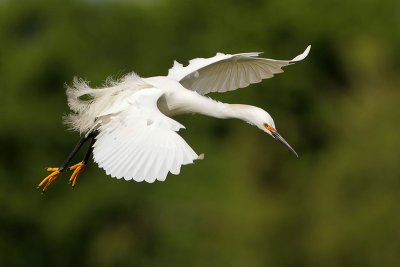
pixel 130 120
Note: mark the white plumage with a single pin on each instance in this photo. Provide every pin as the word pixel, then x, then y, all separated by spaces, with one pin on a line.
pixel 140 142
pixel 223 73
pixel 137 139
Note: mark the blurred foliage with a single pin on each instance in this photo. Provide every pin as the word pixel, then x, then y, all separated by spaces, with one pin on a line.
pixel 250 202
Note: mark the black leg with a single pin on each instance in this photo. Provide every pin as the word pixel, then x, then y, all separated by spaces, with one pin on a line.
pixel 89 151
pixel 73 152
pixel 80 166
pixel 77 168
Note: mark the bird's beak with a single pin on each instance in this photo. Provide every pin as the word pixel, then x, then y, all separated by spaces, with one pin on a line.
pixel 278 137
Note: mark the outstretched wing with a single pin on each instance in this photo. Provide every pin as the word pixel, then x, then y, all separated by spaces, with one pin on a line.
pixel 223 73
pixel 139 142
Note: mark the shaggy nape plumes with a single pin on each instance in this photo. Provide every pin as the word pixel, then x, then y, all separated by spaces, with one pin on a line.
pixel 88 103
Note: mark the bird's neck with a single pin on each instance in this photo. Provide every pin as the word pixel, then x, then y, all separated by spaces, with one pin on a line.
pixel 210 107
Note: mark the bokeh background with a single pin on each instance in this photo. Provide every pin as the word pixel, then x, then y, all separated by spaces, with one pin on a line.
pixel 250 202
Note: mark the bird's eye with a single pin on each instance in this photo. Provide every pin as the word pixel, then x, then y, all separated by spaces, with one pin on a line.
pixel 269 127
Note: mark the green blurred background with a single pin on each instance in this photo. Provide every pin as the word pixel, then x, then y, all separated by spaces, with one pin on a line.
pixel 250 202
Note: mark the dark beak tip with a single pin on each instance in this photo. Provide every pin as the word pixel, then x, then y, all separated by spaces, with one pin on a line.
pixel 278 137
pixel 294 152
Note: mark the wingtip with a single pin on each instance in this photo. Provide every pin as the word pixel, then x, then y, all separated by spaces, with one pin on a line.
pixel 303 55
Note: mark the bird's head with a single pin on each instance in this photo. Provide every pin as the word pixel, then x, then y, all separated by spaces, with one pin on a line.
pixel 264 122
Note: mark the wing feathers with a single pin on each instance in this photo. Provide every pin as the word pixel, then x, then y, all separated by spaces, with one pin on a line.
pixel 223 73
pixel 130 147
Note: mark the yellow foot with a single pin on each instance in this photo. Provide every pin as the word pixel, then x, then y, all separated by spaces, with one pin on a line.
pixel 78 169
pixel 49 178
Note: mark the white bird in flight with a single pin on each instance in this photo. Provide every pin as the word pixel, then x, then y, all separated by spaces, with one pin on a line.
pixel 129 125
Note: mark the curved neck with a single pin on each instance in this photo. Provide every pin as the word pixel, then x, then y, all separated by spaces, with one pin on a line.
pixel 227 111
pixel 204 105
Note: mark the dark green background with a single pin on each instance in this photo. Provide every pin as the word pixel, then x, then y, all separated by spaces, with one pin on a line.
pixel 250 202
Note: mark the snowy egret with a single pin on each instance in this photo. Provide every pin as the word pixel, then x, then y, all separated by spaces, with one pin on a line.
pixel 128 122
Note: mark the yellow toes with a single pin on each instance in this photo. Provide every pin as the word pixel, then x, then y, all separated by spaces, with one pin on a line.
pixel 55 172
pixel 49 178
pixel 78 169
